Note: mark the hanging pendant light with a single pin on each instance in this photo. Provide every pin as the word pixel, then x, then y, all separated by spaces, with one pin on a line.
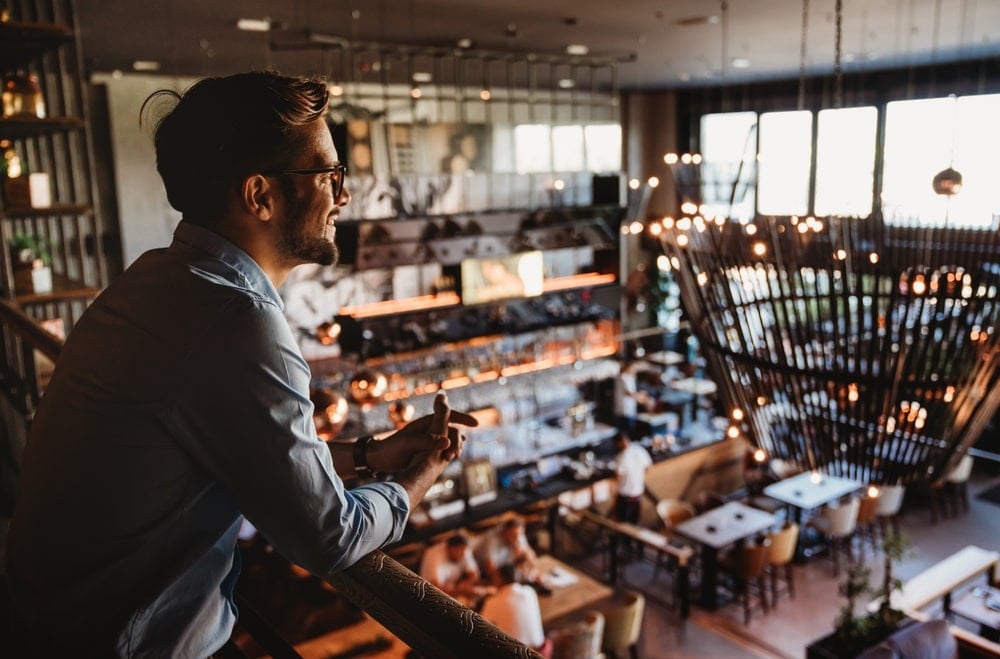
pixel 947 182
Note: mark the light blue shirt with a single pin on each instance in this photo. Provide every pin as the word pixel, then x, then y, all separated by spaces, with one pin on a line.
pixel 180 403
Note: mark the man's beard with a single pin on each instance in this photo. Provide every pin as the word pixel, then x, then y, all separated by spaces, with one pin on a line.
pixel 301 245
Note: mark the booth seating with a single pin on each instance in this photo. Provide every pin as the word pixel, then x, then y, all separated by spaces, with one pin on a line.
pixel 931 639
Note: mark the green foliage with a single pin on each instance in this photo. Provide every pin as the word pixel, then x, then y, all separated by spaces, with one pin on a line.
pixel 853 633
pixel 25 248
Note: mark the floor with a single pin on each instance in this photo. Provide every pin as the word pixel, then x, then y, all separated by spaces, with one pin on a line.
pixel 784 632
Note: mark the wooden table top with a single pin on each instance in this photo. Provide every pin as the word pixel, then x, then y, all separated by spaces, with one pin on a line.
pixel 572 590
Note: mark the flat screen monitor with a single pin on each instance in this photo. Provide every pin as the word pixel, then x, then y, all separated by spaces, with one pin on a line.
pixel 502 277
pixel 480 481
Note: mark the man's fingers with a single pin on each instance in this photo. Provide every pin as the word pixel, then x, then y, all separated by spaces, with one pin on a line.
pixel 463 419
pixel 442 414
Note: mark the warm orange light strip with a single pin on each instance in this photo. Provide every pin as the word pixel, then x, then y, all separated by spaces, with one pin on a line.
pixel 388 307
pixel 576 281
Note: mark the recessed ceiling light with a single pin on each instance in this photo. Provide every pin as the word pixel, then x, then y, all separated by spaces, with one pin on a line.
pixel 566 83
pixel 740 63
pixel 422 76
pixel 254 24
pixel 145 65
pixel 464 43
pixel 577 49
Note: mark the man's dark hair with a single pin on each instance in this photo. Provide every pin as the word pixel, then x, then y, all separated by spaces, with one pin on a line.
pixel 222 129
pixel 457 540
pixel 509 574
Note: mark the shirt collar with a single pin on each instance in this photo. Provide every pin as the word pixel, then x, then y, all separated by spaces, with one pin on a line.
pixel 249 272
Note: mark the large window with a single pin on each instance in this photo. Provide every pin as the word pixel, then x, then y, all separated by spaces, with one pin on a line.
pixel 924 137
pixel 729 165
pixel 845 161
pixel 785 155
pixel 541 148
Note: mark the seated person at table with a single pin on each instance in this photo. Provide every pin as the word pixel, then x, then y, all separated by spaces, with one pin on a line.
pixel 450 566
pixel 514 609
pixel 507 545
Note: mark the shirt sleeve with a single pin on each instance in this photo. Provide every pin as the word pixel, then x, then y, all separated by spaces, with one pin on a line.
pixel 245 410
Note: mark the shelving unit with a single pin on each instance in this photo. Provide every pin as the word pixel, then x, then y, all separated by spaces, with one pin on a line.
pixel 40 40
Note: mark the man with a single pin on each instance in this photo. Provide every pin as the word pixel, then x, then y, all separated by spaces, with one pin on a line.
pixel 507 545
pixel 629 399
pixel 181 402
pixel 450 566
pixel 631 464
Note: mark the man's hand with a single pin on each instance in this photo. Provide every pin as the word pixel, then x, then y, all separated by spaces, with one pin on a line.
pixel 431 433
pixel 422 449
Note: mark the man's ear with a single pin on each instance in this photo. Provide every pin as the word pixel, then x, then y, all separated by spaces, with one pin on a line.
pixel 258 196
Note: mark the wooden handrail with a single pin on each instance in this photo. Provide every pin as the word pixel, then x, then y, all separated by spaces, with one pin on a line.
pixel 29 330
pixel 424 617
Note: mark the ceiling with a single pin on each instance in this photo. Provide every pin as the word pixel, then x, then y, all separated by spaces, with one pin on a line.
pixel 658 44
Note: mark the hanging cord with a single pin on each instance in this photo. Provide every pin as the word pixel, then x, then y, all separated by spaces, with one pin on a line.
pixel 838 76
pixel 802 55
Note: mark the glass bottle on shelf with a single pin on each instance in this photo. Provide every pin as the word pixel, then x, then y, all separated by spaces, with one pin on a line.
pixel 22 96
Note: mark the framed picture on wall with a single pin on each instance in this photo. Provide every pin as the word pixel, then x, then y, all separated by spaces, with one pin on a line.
pixel 480 481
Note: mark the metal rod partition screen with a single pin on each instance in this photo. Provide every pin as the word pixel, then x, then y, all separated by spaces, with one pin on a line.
pixel 850 346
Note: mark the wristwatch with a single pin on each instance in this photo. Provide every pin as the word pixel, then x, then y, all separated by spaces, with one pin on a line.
pixel 360 451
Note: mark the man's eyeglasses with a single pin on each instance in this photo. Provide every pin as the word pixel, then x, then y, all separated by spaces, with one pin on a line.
pixel 336 173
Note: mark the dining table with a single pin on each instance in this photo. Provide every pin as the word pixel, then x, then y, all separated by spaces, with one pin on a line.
pixel 729 524
pixel 698 388
pixel 569 589
pixel 807 491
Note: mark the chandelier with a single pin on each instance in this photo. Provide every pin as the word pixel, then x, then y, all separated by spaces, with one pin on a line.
pixel 846 345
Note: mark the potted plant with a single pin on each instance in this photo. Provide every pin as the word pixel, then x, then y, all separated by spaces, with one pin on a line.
pixel 852 633
pixel 31 262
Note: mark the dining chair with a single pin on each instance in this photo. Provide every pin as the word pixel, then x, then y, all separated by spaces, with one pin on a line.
pixel 864 528
pixel 623 625
pixel 949 496
pixel 581 640
pixel 780 553
pixel 745 567
pixel 890 502
pixel 671 512
pixel 836 522
pixel 957 482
